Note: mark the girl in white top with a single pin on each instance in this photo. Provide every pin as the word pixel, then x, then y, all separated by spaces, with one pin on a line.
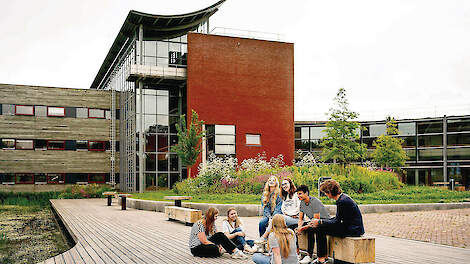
pixel 232 228
pixel 290 206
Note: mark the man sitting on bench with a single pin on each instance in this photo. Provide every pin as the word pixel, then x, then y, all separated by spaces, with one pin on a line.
pixel 347 222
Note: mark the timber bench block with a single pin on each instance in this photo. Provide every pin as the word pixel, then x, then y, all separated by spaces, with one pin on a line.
pixel 348 249
pixel 187 215
pixel 109 195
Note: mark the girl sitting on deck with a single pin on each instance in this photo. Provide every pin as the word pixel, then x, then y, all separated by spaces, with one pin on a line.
pixel 232 228
pixel 271 202
pixel 205 241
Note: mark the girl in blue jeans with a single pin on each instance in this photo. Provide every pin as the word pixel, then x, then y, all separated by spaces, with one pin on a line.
pixel 271 202
pixel 232 228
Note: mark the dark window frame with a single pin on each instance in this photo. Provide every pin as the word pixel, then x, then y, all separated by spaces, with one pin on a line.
pixel 62 176
pixel 97 141
pixel 14 144
pixel 29 182
pixel 55 115
pixel 103 174
pixel 63 145
pixel 25 114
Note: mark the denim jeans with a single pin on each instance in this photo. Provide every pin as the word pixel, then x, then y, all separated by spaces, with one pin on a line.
pixel 260 258
pixel 263 223
pixel 289 221
pixel 240 241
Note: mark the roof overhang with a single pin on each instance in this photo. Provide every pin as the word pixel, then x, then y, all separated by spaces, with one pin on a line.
pixel 156 27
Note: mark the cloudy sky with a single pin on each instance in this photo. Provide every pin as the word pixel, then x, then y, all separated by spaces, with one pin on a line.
pixel 406 58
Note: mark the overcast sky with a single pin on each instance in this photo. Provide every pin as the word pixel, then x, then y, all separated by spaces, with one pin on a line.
pixel 406 58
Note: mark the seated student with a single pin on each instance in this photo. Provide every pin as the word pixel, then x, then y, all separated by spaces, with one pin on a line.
pixel 205 241
pixel 290 206
pixel 232 228
pixel 309 206
pixel 282 244
pixel 347 222
pixel 271 202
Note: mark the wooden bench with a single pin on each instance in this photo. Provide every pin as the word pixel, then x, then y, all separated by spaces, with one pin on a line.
pixel 349 249
pixel 187 215
pixel 177 199
pixel 109 195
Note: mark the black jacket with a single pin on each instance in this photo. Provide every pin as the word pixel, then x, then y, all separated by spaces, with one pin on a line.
pixel 348 216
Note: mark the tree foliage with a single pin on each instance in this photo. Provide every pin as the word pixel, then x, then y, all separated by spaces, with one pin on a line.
pixel 342 134
pixel 189 146
pixel 388 151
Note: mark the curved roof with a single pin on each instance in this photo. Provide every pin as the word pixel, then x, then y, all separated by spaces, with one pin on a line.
pixel 156 27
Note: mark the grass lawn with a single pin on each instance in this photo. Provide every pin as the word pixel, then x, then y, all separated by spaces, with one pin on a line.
pixel 408 194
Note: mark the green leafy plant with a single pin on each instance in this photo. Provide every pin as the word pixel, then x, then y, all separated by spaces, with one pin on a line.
pixel 189 146
pixel 388 151
pixel 340 143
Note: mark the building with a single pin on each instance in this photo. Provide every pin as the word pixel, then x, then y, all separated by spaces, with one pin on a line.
pixel 53 136
pixel 438 148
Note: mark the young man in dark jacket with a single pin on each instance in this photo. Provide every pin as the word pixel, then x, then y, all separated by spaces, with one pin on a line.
pixel 347 222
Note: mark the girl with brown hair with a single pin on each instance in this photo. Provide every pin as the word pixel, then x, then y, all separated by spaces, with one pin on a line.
pixel 282 244
pixel 205 241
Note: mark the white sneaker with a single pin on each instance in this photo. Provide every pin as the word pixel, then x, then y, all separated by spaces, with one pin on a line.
pixel 307 259
pixel 249 250
pixel 260 248
pixel 239 255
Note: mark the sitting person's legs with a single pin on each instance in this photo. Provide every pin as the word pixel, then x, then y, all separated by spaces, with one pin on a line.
pixel 322 231
pixel 239 241
pixel 220 238
pixel 263 223
pixel 260 258
pixel 206 251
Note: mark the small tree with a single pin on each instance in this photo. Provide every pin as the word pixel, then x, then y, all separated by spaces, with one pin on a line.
pixel 189 146
pixel 388 151
pixel 342 134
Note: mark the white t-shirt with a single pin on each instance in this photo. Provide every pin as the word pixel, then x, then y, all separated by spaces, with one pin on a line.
pixel 228 228
pixel 291 206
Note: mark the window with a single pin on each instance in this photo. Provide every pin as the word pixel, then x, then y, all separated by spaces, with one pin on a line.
pixel 24 144
pixel 8 143
pixel 40 144
pixel 377 130
pixel 221 139
pixel 82 145
pixel 96 145
pixel 7 178
pixel 97 178
pixel 40 178
pixel 24 110
pixel 40 110
pixel 55 178
pixel 254 140
pixel 55 111
pixel 55 145
pixel 24 178
pixel 96 113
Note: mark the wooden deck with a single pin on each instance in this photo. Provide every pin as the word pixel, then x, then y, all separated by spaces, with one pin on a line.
pixel 109 235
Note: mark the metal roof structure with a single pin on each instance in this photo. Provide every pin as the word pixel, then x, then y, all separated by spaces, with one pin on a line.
pixel 156 27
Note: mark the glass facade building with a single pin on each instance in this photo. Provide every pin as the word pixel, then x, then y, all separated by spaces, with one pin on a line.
pixel 438 148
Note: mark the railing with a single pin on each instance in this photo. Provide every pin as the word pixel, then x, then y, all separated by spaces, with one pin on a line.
pixel 247 34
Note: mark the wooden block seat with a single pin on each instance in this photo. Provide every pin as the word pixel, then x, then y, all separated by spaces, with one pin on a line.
pixel 187 215
pixel 348 249
pixel 177 199
pixel 109 195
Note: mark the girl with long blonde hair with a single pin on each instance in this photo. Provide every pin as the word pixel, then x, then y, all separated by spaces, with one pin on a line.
pixel 271 202
pixel 282 244
pixel 205 241
pixel 233 229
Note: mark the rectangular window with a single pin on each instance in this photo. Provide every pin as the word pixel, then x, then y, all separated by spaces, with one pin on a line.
pixel 253 140
pixel 24 110
pixel 97 178
pixel 8 178
pixel 96 145
pixel 40 144
pixel 8 143
pixel 24 144
pixel 317 132
pixel 40 110
pixel 24 178
pixel 96 113
pixel 40 178
pixel 55 178
pixel 55 145
pixel 55 111
pixel 82 145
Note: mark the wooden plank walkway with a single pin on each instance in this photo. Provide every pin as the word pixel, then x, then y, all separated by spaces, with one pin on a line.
pixel 109 235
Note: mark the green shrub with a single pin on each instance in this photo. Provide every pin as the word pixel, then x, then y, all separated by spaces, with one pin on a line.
pixel 27 198
pixel 84 191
